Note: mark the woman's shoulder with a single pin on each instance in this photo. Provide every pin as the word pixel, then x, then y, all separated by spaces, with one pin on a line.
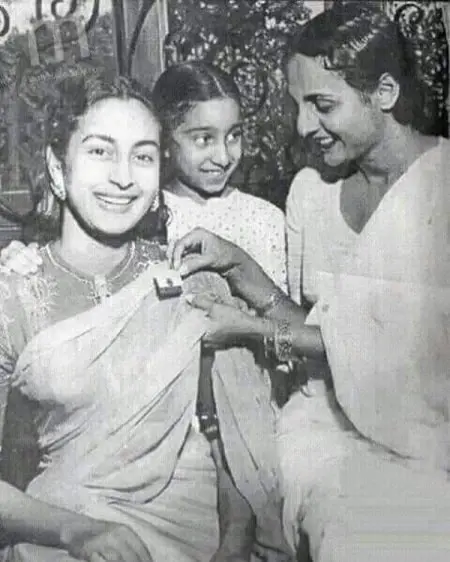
pixel 308 185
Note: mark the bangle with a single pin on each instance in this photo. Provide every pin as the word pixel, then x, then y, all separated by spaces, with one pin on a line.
pixel 274 299
pixel 269 348
pixel 283 341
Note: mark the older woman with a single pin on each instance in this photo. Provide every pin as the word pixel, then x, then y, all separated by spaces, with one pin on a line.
pixel 365 455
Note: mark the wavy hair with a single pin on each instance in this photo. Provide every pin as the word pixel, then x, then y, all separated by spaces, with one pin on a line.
pixel 361 44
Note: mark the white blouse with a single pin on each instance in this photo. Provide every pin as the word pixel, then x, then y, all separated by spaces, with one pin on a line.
pixel 318 238
pixel 250 222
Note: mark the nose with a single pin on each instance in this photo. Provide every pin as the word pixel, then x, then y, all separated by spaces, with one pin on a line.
pixel 221 155
pixel 307 121
pixel 121 175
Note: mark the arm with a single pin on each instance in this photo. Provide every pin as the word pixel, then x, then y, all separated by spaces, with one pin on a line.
pixel 26 519
pixel 201 249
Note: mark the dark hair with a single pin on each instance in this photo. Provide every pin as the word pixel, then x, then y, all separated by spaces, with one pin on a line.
pixel 181 86
pixel 361 43
pixel 72 97
pixel 76 94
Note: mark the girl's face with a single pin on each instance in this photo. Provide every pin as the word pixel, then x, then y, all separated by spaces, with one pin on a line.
pixel 331 114
pixel 111 171
pixel 207 146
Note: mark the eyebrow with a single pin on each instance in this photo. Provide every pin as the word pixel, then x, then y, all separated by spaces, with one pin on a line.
pixel 110 140
pixel 203 129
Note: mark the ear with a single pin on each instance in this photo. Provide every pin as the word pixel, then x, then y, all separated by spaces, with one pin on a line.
pixel 55 172
pixel 387 92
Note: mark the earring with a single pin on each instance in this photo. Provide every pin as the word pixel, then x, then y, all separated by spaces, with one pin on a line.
pixel 166 153
pixel 155 204
pixel 59 190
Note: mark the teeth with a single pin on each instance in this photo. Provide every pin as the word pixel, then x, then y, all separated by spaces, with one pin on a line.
pixel 115 200
pixel 326 143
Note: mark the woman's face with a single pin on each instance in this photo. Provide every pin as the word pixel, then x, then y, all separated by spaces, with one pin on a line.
pixel 207 146
pixel 112 166
pixel 332 115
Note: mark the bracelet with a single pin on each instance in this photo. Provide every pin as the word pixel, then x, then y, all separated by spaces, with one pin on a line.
pixel 283 341
pixel 269 348
pixel 274 299
pixel 209 426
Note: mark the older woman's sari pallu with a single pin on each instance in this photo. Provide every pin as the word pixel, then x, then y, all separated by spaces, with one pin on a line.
pixel 381 492
pixel 116 387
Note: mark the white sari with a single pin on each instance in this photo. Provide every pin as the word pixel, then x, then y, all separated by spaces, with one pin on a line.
pixel 384 318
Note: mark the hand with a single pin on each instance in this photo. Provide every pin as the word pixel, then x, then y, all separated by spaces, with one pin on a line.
pixel 228 323
pixel 21 259
pixel 201 249
pixel 102 541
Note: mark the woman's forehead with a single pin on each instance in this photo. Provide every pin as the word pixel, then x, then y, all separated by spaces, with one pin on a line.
pixel 119 119
pixel 216 113
pixel 307 74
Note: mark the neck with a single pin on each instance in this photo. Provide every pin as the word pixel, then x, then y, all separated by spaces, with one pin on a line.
pixel 87 254
pixel 180 188
pixel 389 159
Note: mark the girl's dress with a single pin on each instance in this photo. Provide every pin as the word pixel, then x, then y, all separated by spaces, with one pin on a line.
pixel 255 225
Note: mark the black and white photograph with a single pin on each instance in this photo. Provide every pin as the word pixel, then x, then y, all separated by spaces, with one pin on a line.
pixel 224 281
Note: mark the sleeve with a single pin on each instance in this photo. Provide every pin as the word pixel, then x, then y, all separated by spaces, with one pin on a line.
pixel 295 237
pixel 276 243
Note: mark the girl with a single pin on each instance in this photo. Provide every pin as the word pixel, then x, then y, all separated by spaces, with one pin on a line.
pixel 202 124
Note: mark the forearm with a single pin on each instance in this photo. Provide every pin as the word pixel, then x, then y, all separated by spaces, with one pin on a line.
pixel 29 520
pixel 306 340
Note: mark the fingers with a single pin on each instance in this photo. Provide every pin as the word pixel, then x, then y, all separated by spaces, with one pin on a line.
pixel 188 244
pixel 201 301
pixel 20 258
pixel 195 262
pixel 96 557
pixel 24 263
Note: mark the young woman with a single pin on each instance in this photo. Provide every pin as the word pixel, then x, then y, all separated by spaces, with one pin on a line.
pixel 200 110
pixel 365 464
pixel 124 475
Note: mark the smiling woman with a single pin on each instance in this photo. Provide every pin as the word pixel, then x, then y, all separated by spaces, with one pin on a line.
pixel 84 344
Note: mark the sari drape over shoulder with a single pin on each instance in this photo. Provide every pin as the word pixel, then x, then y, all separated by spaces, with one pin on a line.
pixel 365 464
pixel 385 317
pixel 116 387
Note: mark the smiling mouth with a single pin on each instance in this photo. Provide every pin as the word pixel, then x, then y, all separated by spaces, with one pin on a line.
pixel 215 172
pixel 116 202
pixel 324 143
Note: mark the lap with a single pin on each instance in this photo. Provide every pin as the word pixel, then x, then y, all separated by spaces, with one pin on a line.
pixel 180 525
pixel 353 500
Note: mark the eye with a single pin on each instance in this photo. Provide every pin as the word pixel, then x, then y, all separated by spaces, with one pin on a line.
pixel 99 152
pixel 203 140
pixel 145 158
pixel 324 106
pixel 235 136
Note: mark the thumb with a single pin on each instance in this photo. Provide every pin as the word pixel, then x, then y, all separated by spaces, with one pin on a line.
pixel 203 302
